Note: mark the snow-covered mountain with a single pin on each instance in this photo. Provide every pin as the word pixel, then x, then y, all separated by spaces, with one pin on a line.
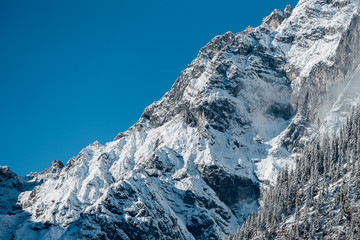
pixel 319 198
pixel 191 167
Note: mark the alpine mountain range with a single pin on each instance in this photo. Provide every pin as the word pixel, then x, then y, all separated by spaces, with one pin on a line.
pixel 255 134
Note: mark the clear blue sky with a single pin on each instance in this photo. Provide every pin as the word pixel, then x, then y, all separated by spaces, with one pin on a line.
pixel 72 72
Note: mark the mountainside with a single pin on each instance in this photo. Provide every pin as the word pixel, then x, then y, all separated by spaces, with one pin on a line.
pixel 193 164
pixel 320 198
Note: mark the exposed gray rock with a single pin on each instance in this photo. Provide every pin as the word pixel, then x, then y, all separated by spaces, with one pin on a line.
pixel 230 189
pixel 11 186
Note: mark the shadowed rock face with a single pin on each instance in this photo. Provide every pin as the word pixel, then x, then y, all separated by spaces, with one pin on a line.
pixel 6 174
pixel 280 110
pixel 230 188
pixel 10 187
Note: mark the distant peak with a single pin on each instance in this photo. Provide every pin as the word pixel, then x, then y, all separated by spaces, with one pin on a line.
pixel 274 20
pixel 288 11
pixel 6 173
pixel 57 164
pixel 95 144
pixel 55 167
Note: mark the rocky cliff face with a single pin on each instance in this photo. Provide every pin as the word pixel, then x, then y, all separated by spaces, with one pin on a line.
pixel 10 188
pixel 191 167
pixel 322 54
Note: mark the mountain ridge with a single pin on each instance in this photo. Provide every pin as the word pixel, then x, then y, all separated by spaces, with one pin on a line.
pixel 192 166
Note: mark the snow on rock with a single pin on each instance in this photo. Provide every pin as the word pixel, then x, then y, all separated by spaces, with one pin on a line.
pixel 10 188
pixel 191 167
pixel 349 98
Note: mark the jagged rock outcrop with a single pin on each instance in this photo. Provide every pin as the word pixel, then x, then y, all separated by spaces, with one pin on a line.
pixel 191 167
pixel 52 172
pixel 329 55
pixel 10 188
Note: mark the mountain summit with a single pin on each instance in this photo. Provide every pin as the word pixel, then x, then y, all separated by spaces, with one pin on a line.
pixel 193 164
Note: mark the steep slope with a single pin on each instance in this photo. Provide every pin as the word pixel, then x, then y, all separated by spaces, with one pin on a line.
pixel 320 198
pixel 322 56
pixel 320 42
pixel 190 167
pixel 10 188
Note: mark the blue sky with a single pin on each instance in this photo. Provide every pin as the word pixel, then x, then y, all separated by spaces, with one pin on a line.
pixel 72 72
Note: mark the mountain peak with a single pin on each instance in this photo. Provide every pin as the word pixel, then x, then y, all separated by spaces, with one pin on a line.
pixel 288 11
pixel 274 20
pixel 6 173
pixel 193 164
